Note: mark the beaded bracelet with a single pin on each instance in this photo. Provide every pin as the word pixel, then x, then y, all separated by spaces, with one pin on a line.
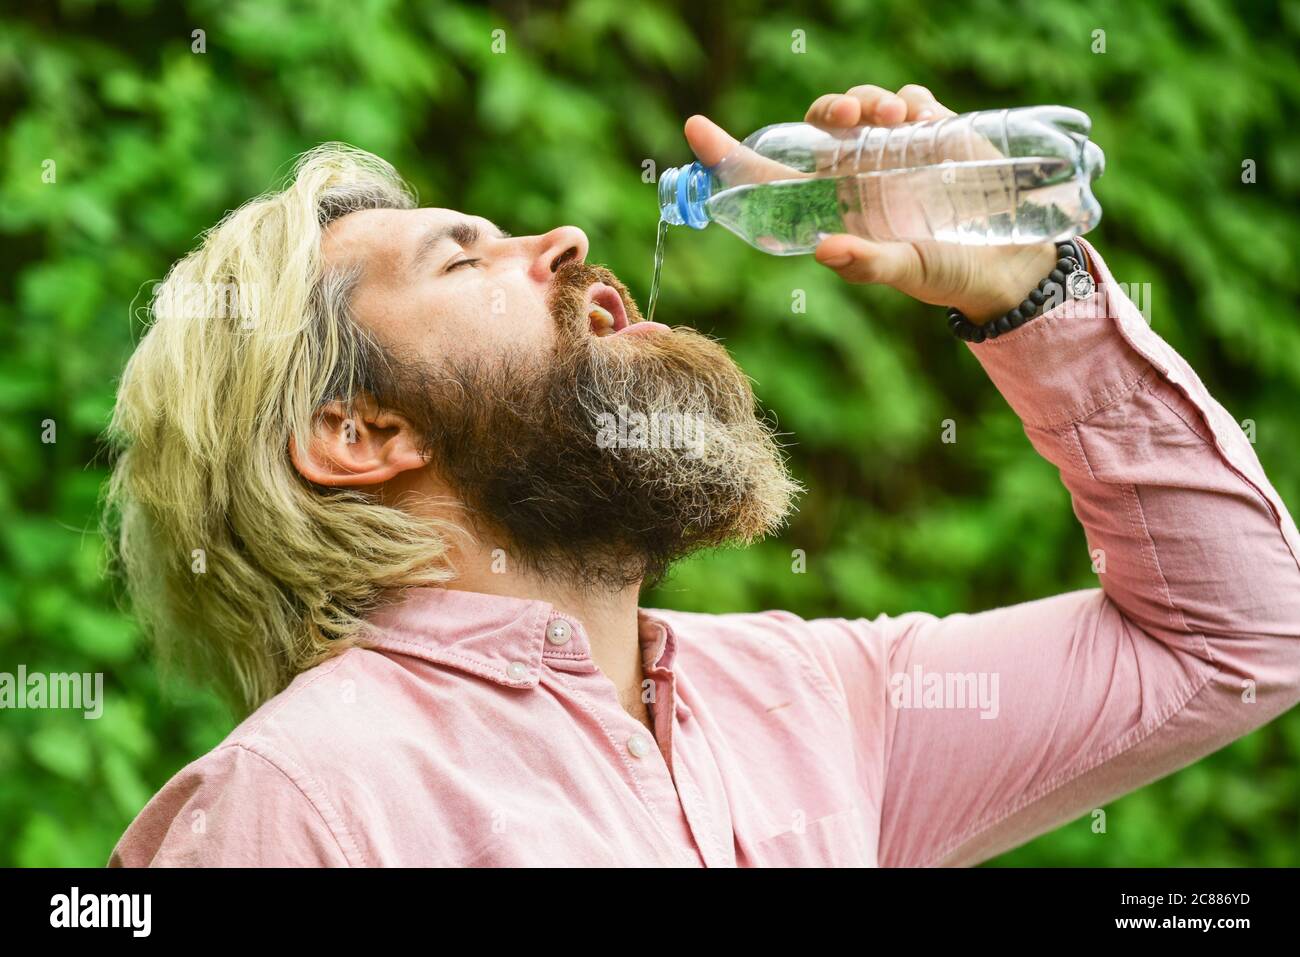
pixel 1069 275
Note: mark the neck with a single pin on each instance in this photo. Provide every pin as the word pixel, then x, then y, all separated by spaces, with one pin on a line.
pixel 608 617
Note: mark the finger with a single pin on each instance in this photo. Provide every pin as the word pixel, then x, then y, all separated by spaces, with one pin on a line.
pixel 921 104
pixel 877 105
pixel 833 111
pixel 708 140
pixel 962 144
pixel 711 144
pixel 858 260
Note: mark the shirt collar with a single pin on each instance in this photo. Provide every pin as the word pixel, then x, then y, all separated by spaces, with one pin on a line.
pixel 500 638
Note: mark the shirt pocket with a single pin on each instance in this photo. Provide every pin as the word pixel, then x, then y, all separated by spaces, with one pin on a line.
pixel 833 840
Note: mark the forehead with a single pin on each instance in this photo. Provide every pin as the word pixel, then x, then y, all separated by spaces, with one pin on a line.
pixel 386 241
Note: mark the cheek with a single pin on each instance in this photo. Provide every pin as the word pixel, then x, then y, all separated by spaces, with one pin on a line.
pixel 495 321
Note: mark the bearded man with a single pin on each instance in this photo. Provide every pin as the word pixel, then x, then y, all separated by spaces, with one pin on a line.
pixel 379 508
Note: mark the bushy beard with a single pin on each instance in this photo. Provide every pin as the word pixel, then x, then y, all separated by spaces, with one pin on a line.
pixel 546 453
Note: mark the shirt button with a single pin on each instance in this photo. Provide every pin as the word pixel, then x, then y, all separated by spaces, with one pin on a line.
pixel 638 745
pixel 517 670
pixel 559 632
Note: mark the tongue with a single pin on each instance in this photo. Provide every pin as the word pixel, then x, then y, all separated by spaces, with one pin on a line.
pixel 641 328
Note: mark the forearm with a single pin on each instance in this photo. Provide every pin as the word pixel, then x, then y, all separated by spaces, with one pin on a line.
pixel 1194 637
pixel 1191 643
pixel 1190 539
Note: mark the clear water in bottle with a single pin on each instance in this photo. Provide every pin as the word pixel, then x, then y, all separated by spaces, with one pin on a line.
pixel 993 177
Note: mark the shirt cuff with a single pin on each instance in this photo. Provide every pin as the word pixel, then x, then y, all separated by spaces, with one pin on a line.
pixel 1077 357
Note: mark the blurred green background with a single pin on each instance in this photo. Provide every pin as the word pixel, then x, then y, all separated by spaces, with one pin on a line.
pixel 153 142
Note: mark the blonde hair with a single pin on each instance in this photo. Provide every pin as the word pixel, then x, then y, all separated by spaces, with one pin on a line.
pixel 243 573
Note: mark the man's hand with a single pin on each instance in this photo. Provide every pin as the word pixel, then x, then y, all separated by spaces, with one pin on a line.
pixel 981 281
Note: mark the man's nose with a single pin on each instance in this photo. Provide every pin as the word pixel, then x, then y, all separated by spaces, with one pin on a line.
pixel 554 249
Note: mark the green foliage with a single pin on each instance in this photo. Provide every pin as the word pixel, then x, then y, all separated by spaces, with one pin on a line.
pixel 152 142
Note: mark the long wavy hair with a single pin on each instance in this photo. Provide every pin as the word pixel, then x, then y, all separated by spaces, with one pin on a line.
pixel 241 571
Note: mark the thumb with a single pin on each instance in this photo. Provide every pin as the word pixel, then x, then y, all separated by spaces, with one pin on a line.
pixel 859 260
pixel 712 144
pixel 708 140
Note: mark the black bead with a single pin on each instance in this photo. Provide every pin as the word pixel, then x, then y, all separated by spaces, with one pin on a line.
pixel 1070 258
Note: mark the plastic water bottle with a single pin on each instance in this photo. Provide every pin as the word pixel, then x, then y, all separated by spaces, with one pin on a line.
pixel 993 177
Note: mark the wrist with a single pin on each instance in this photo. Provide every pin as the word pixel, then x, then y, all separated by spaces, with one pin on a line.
pixel 1007 283
pixel 1068 276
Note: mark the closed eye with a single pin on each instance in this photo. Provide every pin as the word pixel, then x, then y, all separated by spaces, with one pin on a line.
pixel 463 262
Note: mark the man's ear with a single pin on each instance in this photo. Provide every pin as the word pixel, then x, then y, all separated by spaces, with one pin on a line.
pixel 357 445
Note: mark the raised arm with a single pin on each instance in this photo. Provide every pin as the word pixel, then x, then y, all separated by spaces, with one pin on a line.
pixel 1192 641
pixel 1193 638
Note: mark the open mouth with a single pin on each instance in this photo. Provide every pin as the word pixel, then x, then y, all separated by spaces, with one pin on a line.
pixel 605 312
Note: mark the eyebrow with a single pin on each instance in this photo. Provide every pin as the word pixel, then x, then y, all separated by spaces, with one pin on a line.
pixel 464 233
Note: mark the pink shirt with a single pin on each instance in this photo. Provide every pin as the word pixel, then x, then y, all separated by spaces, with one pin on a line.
pixel 477 730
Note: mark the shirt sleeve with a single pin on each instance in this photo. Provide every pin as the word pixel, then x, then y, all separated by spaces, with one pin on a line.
pixel 233 807
pixel 1192 640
